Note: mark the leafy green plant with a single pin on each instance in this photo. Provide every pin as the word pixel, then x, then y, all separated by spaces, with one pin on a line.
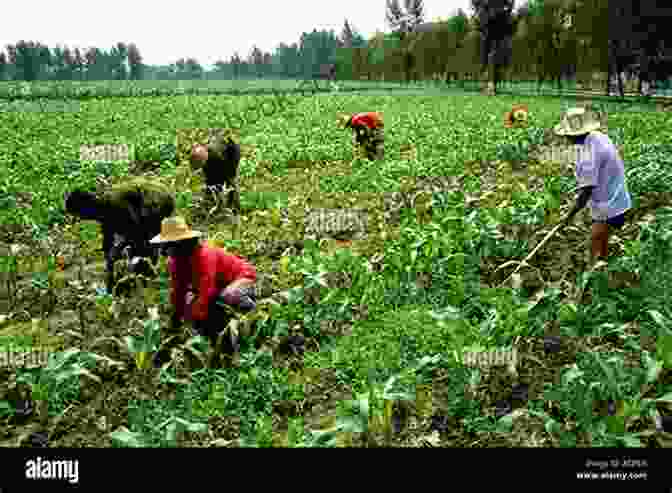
pixel 140 346
pixel 58 383
pixel 143 346
pixel 407 317
pixel 170 430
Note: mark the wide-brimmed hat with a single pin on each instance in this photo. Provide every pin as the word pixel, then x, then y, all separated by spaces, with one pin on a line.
pixel 519 112
pixel 577 121
pixel 175 229
pixel 517 116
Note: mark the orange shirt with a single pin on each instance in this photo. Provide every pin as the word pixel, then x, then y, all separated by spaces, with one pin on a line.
pixel 209 270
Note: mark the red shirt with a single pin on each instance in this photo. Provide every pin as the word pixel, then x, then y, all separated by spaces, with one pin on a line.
pixel 371 120
pixel 210 270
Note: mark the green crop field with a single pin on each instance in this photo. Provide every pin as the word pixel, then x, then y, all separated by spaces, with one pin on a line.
pixel 392 313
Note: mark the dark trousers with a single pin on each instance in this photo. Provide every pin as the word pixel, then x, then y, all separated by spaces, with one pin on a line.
pixel 615 222
pixel 219 317
pixel 371 142
pixel 214 194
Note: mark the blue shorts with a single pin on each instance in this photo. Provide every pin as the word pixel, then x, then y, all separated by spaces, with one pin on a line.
pixel 614 222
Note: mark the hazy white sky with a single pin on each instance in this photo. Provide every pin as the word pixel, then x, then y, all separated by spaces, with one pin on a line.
pixel 205 29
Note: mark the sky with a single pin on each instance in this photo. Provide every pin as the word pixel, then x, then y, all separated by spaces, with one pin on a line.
pixel 205 29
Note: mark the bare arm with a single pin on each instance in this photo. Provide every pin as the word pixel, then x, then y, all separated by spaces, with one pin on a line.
pixel 581 200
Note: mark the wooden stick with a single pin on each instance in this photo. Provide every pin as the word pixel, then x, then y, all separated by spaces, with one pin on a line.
pixel 536 249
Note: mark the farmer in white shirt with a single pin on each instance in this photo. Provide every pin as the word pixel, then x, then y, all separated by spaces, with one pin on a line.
pixel 600 175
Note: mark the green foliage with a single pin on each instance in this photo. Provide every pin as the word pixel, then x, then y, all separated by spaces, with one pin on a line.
pixel 59 382
pixel 450 311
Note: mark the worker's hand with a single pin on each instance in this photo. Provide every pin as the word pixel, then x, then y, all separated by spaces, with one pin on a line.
pixel 248 300
pixel 189 299
pixel 231 296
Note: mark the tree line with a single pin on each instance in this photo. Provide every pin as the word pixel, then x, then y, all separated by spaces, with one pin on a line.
pixel 543 40
pixel 314 55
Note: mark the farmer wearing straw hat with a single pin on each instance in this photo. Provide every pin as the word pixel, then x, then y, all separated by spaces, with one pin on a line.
pixel 517 116
pixel 600 175
pixel 203 278
pixel 368 132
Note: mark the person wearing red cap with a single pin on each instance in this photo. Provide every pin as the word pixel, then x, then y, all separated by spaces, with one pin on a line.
pixel 368 128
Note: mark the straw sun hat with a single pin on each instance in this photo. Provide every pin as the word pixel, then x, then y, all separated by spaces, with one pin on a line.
pixel 577 121
pixel 175 229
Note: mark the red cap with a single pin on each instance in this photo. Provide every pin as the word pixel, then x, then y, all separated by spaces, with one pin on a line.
pixel 369 119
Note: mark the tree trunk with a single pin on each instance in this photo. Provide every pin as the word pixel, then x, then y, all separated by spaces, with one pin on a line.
pixel 495 76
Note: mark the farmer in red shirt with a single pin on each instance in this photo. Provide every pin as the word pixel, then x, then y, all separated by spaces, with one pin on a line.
pixel 368 135
pixel 203 278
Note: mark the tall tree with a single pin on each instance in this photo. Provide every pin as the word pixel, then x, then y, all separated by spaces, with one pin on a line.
pixel 347 36
pixel 415 10
pixel 236 64
pixel 4 66
pixel 650 36
pixel 496 26
pixel 11 59
pixel 69 60
pixel 59 63
pixel 256 61
pixel 591 30
pixel 267 64
pixel 284 60
pixel 403 22
pixel 118 63
pixel 135 65
pixel 44 61
pixel 93 61
pixel 547 40
pixel 622 39
pixel 316 49
pixel 349 40
pixel 193 70
pixel 78 64
pixel 26 60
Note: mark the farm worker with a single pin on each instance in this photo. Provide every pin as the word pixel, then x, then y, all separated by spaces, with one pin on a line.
pixel 130 214
pixel 220 161
pixel 368 128
pixel 517 115
pixel 203 278
pixel 600 175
